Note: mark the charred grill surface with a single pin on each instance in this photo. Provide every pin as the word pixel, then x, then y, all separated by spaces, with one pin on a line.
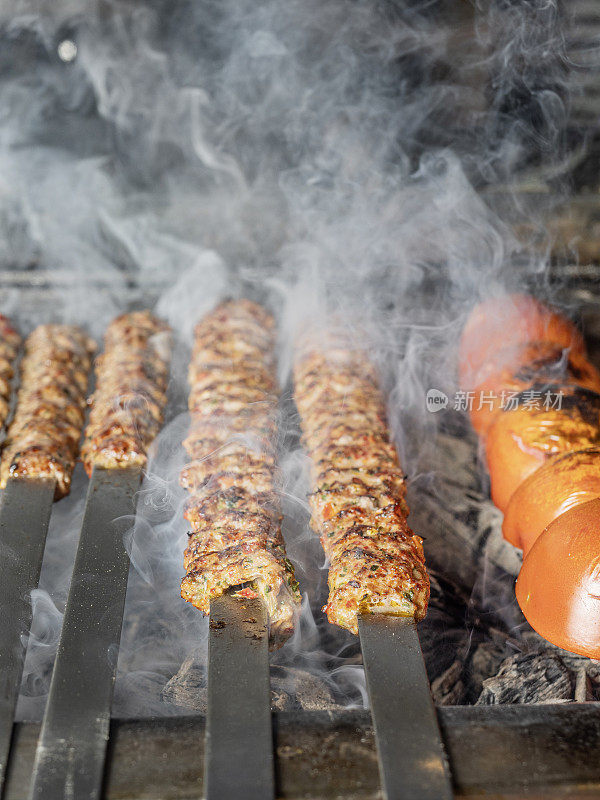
pixel 43 437
pixel 130 397
pixel 233 510
pixel 358 500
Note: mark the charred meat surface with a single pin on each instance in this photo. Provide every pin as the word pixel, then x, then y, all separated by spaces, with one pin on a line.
pixel 10 341
pixel 233 509
pixel 131 381
pixel 376 562
pixel 43 437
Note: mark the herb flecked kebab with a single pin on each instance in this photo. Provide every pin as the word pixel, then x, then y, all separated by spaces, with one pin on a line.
pixel 376 563
pixel 234 510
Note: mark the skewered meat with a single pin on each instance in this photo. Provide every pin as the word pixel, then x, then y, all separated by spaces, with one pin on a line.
pixel 10 342
pixel 233 509
pixel 358 500
pixel 130 397
pixel 43 438
pixel 543 459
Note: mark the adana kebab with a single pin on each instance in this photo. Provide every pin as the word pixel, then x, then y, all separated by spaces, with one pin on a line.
pixel 130 397
pixel 376 562
pixel 234 510
pixel 42 443
pixel 10 342
pixel 127 407
pixel 43 437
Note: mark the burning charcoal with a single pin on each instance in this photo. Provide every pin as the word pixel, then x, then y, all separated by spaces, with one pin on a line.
pixel 291 689
pixel 462 524
pixel 448 689
pixel 586 676
pixel 530 678
pixel 187 688
pixel 485 661
pixel 443 633
pixel 302 690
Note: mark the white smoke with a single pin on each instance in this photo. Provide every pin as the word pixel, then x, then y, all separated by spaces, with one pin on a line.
pixel 322 156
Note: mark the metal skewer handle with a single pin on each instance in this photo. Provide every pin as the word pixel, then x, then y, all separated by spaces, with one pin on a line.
pixel 71 750
pixel 24 518
pixel 239 738
pixel 412 761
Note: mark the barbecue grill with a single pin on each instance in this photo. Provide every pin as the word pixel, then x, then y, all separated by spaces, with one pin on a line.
pixel 539 750
pixel 443 713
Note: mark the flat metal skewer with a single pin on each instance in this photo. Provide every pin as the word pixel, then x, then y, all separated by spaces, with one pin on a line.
pixel 24 517
pixel 239 738
pixel 412 761
pixel 71 749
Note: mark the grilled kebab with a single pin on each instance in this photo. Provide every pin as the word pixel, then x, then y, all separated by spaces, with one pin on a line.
pixel 43 437
pixel 233 510
pixel 130 397
pixel 376 563
pixel 10 342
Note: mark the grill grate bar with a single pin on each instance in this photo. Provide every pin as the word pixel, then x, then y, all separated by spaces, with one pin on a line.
pixel 71 750
pixel 239 737
pixel 24 519
pixel 412 762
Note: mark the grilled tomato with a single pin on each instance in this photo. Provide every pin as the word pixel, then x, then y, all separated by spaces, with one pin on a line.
pixel 508 321
pixel 544 421
pixel 563 482
pixel 514 369
pixel 558 588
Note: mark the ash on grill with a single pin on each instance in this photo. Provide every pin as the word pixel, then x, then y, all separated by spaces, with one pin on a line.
pixel 291 689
